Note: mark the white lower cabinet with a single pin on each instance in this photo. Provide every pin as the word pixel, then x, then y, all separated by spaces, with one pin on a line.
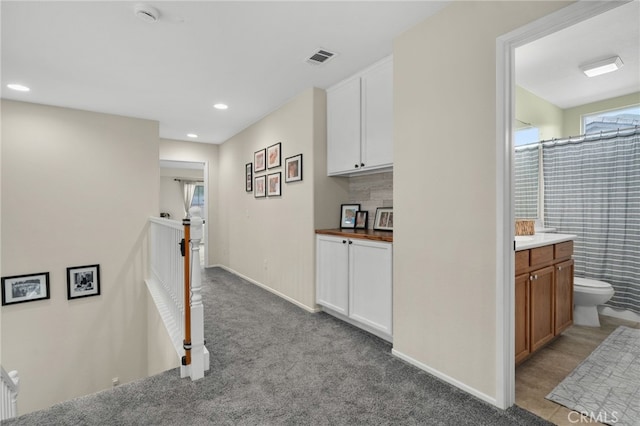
pixel 354 282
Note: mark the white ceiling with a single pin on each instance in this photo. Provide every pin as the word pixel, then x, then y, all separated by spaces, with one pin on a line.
pixel 550 67
pixel 98 56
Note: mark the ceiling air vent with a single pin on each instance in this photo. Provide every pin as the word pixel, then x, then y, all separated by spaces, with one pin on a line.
pixel 320 57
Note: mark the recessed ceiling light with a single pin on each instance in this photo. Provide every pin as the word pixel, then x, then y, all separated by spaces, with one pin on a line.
pixel 602 67
pixel 18 87
pixel 221 106
pixel 192 135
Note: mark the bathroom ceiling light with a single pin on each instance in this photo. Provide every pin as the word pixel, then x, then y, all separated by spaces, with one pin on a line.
pixel 192 135
pixel 221 106
pixel 602 67
pixel 18 87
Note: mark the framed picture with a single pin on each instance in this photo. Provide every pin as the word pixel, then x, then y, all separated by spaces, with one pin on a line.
pixel 259 161
pixel 384 219
pixel 273 156
pixel 25 288
pixel 361 219
pixel 248 177
pixel 293 168
pixel 348 215
pixel 83 281
pixel 260 187
pixel 273 184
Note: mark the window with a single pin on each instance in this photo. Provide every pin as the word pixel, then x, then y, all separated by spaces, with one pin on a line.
pixel 526 136
pixel 198 197
pixel 615 119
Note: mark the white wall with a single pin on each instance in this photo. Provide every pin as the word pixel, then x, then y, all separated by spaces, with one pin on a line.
pixel 445 189
pixel 271 240
pixel 77 189
pixel 203 153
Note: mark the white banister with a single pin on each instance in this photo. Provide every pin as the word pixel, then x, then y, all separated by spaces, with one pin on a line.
pixel 10 390
pixel 166 286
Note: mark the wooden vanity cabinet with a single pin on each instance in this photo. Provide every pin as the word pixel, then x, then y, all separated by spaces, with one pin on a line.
pixel 543 296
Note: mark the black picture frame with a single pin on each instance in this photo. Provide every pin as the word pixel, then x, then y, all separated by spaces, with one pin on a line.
pixel 260 186
pixel 348 215
pixel 274 184
pixel 384 219
pixel 361 219
pixel 25 288
pixel 83 281
pixel 274 156
pixel 248 177
pixel 260 160
pixel 293 168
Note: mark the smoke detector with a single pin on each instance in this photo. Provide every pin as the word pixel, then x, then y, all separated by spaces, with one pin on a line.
pixel 147 13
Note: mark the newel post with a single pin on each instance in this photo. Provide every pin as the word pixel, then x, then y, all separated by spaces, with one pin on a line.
pixel 197 309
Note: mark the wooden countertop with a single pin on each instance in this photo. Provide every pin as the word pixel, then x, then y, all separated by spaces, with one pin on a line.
pixel 363 234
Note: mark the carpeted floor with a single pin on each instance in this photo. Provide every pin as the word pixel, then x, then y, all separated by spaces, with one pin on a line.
pixel 273 363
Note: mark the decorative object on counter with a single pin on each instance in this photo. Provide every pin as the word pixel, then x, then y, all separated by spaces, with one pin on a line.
pixel 259 161
pixel 248 177
pixel 259 187
pixel 348 215
pixel 273 184
pixel 525 227
pixel 273 156
pixel 25 288
pixel 293 168
pixel 384 219
pixel 83 281
pixel 361 219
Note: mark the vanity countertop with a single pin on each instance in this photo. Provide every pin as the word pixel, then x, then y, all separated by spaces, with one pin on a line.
pixel 524 242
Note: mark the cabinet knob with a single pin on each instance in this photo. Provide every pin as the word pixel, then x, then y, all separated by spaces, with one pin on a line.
pixel 350 242
pixel 344 241
pixel 361 164
pixel 356 166
pixel 559 268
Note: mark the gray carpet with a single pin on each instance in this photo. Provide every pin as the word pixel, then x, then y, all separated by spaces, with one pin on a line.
pixel 606 385
pixel 273 363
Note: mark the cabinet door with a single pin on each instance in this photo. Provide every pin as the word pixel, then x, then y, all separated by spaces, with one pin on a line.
pixel 332 273
pixel 343 128
pixel 522 342
pixel 370 281
pixel 563 296
pixel 541 294
pixel 377 116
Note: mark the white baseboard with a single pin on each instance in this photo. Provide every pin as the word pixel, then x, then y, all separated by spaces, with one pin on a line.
pixel 446 378
pixel 270 290
pixel 619 313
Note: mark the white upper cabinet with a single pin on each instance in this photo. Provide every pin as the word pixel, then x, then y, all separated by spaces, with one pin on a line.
pixel 360 122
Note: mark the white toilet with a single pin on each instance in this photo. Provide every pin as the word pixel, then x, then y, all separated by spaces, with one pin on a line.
pixel 587 295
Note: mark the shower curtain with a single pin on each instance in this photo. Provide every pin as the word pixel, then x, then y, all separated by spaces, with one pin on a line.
pixel 592 189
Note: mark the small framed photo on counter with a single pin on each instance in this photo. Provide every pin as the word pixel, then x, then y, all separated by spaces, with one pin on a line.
pixel 348 215
pixel 361 219
pixel 384 219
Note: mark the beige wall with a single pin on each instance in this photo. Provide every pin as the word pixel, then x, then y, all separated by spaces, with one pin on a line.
pixel 539 113
pixel 199 152
pixel 573 116
pixel 445 188
pixel 77 189
pixel 271 240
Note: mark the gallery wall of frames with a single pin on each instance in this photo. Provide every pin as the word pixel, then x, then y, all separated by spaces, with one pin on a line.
pixel 263 177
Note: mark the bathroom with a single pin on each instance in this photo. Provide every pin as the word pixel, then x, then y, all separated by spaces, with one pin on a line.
pixel 606 240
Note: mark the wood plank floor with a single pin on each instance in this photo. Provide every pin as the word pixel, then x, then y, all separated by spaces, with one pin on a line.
pixel 537 376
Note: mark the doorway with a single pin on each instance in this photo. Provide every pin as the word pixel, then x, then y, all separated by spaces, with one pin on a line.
pixel 505 114
pixel 173 176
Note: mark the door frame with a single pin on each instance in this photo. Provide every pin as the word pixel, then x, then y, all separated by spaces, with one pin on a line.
pixel 505 115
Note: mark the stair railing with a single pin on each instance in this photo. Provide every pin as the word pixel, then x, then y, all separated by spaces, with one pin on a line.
pixel 9 397
pixel 175 277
